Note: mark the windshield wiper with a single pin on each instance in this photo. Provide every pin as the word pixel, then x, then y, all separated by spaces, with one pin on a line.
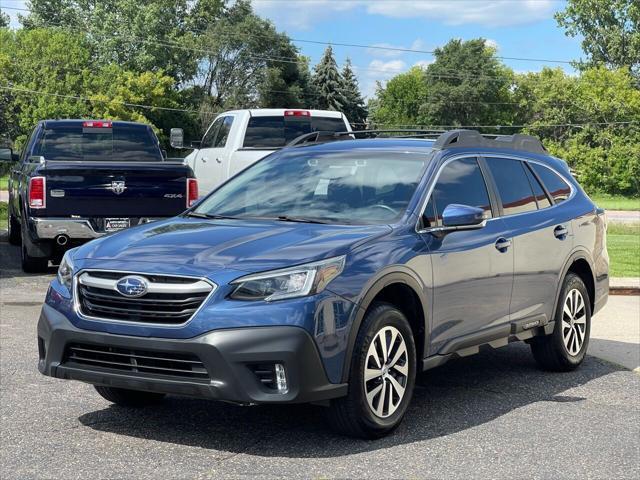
pixel 287 218
pixel 210 216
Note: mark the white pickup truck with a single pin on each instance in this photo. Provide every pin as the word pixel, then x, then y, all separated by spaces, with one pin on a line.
pixel 238 138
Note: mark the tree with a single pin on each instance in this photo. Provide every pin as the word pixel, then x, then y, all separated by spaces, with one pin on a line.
pixel 50 74
pixel 610 31
pixel 466 85
pixel 4 20
pixel 583 121
pixel 139 36
pixel 240 69
pixel 354 107
pixel 398 103
pixel 328 83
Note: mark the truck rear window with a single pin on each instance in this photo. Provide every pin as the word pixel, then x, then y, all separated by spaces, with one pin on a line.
pixel 135 143
pixel 277 131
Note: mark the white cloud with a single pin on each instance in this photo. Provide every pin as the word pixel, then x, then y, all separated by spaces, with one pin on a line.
pixel 423 63
pixel 392 67
pixel 492 44
pixel 302 15
pixel 490 13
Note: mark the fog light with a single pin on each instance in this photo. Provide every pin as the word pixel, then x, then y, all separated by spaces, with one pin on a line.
pixel 281 379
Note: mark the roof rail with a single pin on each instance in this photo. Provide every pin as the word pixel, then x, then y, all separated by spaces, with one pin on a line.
pixel 328 136
pixel 473 138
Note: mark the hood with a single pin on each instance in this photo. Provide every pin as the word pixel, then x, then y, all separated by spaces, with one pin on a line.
pixel 248 246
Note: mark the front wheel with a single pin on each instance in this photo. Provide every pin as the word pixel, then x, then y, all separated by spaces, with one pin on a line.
pixel 129 398
pixel 14 230
pixel 381 378
pixel 565 349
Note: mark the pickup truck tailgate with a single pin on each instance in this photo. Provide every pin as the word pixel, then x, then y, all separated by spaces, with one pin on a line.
pixel 114 189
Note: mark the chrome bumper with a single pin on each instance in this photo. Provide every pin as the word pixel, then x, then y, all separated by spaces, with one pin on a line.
pixel 75 228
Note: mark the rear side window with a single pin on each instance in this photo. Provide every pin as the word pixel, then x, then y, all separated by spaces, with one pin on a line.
pixel 538 191
pixel 461 182
pixel 513 186
pixel 73 142
pixel 556 186
pixel 277 131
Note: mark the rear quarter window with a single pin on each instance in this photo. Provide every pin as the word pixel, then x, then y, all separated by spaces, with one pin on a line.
pixel 557 187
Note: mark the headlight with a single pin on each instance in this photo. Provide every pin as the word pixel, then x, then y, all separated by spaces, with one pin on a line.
pixel 65 270
pixel 299 281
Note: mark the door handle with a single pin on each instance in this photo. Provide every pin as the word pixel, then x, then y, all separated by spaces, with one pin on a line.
pixel 218 160
pixel 560 232
pixel 204 160
pixel 502 244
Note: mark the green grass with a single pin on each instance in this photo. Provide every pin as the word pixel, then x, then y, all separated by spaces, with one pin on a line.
pixel 623 244
pixel 4 182
pixel 3 215
pixel 615 202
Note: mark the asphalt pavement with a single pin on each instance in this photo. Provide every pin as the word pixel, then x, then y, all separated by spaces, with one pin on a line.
pixel 491 415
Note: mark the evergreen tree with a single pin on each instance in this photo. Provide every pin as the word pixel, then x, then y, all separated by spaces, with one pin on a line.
pixel 354 108
pixel 328 83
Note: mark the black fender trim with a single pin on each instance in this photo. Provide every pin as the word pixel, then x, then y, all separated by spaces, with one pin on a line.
pixel 376 285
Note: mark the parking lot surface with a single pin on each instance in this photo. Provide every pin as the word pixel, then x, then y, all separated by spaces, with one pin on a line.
pixel 491 415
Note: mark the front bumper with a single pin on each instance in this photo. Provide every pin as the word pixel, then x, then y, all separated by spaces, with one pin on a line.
pixel 74 228
pixel 227 356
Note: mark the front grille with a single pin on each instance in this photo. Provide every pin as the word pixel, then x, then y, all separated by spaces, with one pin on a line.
pixel 169 301
pixel 139 361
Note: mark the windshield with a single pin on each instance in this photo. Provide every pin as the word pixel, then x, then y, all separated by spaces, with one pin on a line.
pixel 335 187
pixel 136 143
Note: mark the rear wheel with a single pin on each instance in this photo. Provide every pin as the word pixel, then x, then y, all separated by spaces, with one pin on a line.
pixel 30 263
pixel 129 398
pixel 382 376
pixel 566 347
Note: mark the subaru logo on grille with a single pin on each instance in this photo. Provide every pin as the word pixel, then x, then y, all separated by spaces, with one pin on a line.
pixel 118 187
pixel 132 286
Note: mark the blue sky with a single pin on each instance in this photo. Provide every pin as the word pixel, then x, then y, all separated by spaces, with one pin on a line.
pixel 518 28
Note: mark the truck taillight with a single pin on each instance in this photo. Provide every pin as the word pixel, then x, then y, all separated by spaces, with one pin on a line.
pixel 192 191
pixel 297 113
pixel 96 124
pixel 37 192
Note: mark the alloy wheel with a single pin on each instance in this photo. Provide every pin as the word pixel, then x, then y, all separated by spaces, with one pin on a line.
pixel 574 322
pixel 386 372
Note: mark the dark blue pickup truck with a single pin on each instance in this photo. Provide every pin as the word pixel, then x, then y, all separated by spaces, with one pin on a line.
pixel 77 180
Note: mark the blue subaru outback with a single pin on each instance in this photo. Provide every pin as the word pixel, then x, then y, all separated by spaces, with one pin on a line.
pixel 333 273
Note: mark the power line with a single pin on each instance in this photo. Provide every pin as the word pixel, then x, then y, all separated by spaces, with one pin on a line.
pixel 151 107
pixel 377 47
pixel 94 100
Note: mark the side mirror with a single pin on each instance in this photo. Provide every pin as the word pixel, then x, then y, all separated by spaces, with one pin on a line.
pixel 176 138
pixel 36 159
pixel 462 217
pixel 7 155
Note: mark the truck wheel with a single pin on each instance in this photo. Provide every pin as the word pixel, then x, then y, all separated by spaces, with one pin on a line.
pixel 14 230
pixel 31 264
pixel 382 376
pixel 128 398
pixel 565 349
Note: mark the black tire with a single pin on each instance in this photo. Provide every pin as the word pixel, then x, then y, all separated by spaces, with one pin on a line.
pixel 31 264
pixel 352 415
pixel 551 351
pixel 129 398
pixel 14 231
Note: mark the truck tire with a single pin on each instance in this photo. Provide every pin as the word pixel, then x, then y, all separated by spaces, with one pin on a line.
pixel 128 398
pixel 381 378
pixel 565 349
pixel 30 263
pixel 14 231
